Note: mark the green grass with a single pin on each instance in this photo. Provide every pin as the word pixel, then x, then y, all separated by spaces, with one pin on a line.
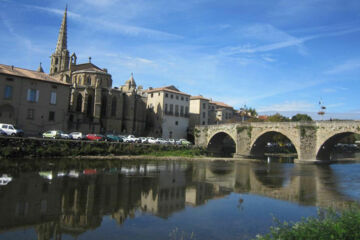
pixel 329 224
pixel 194 152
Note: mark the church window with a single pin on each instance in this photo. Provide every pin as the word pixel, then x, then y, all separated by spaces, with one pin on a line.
pixel 53 98
pixel 79 103
pixel 88 80
pixel 103 106
pixel 113 107
pixel 8 92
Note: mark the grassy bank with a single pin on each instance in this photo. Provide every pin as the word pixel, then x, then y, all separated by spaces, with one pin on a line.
pixel 328 225
pixel 37 148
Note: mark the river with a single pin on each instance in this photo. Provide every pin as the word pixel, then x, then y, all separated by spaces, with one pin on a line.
pixel 77 199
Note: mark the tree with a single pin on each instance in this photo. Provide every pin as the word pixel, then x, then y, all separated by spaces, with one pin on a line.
pixel 277 118
pixel 301 118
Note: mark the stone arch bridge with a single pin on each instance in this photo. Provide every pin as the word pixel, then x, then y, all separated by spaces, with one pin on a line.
pixel 312 140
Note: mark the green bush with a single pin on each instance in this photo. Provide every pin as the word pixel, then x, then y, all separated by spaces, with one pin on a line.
pixel 329 224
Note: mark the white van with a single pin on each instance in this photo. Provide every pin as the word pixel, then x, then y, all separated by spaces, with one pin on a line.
pixel 10 130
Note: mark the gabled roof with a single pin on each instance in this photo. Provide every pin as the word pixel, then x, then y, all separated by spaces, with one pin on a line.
pixel 170 88
pixel 26 73
pixel 221 104
pixel 87 67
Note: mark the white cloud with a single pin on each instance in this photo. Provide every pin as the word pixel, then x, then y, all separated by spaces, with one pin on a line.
pixel 349 65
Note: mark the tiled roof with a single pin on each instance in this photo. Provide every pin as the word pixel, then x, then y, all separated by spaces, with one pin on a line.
pixel 26 73
pixel 171 89
pixel 220 104
pixel 199 97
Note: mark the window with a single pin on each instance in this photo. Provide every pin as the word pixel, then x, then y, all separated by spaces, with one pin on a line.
pixel 89 81
pixel 51 116
pixel 166 95
pixel 30 113
pixel 8 92
pixel 182 98
pixel 171 108
pixel 177 97
pixel 159 94
pixel 151 95
pixel 186 111
pixel 171 96
pixel 182 111
pixel 53 98
pixel 203 123
pixel 187 99
pixel 166 108
pixel 176 110
pixel 113 107
pixel 33 95
pixel 204 114
pixel 204 105
pixel 176 123
pixel 79 103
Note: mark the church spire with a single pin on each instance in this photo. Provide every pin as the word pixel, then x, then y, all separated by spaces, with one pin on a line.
pixel 62 39
pixel 60 59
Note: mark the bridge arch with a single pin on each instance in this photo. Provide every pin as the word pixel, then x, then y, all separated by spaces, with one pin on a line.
pixel 259 142
pixel 323 152
pixel 221 144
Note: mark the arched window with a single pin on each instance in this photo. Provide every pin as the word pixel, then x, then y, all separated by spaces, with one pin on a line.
pixel 113 107
pixel 79 103
pixel 90 107
pixel 56 60
pixel 103 105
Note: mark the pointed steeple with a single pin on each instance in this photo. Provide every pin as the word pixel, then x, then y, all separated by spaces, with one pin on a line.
pixel 62 39
pixel 40 69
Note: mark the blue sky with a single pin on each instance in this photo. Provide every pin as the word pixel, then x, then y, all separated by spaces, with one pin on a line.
pixel 274 55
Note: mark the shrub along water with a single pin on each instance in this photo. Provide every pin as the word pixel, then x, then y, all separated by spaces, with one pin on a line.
pixel 26 147
pixel 329 224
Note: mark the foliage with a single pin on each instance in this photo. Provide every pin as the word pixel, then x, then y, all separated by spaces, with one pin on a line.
pixel 16 147
pixel 277 118
pixel 241 129
pixel 328 225
pixel 249 111
pixel 301 118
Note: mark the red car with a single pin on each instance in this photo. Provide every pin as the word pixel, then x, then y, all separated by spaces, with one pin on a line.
pixel 95 137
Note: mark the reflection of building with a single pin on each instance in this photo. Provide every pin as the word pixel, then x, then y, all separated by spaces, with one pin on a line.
pixel 32 100
pixel 171 112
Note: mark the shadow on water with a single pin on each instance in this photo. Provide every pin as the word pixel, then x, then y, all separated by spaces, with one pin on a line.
pixel 71 197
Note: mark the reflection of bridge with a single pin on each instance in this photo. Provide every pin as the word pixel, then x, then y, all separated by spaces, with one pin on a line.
pixel 312 140
pixel 304 184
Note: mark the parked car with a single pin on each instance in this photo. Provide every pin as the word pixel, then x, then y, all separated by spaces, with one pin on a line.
pixel 132 138
pixel 52 134
pixel 152 140
pixel 171 141
pixel 3 133
pixel 183 142
pixel 95 137
pixel 10 130
pixel 161 141
pixel 113 138
pixel 77 135
pixel 64 135
pixel 144 140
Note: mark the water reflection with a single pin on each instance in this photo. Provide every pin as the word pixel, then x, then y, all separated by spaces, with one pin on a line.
pixel 56 202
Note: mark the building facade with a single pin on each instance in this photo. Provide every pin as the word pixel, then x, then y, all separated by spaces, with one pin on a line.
pixel 95 106
pixel 169 108
pixel 32 100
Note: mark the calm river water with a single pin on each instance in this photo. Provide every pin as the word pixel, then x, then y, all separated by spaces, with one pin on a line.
pixel 75 199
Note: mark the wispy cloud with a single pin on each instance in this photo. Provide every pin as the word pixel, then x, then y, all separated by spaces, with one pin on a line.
pixel 289 42
pixel 103 24
pixel 349 65
pixel 289 106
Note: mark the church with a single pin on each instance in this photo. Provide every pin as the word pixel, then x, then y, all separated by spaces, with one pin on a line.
pixel 94 105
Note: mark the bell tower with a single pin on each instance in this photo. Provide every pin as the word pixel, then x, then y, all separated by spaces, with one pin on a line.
pixel 60 58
